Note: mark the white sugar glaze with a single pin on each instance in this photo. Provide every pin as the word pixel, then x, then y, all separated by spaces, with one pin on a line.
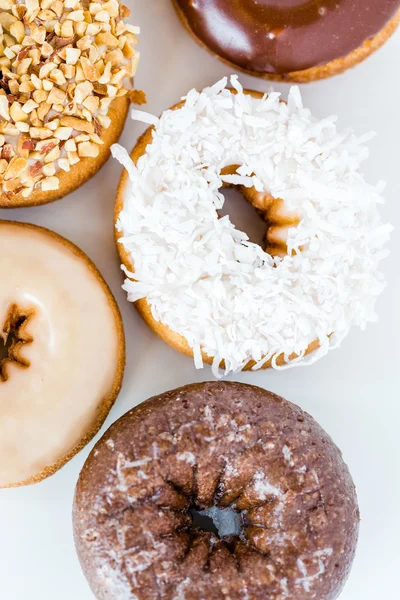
pixel 47 408
pixel 203 278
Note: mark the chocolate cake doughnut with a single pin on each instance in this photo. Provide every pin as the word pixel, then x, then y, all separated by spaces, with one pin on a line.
pixel 282 501
pixel 66 70
pixel 290 40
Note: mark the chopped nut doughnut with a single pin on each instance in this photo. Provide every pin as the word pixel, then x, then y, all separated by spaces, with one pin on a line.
pixel 62 65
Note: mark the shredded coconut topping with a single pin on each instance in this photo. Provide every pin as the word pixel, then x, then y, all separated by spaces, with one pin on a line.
pixel 202 277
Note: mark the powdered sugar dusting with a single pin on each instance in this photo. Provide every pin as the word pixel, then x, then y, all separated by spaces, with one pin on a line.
pixel 203 278
pixel 263 487
pixel 307 580
pixel 284 587
pixel 287 454
pixel 188 457
pixel 115 582
pixel 180 590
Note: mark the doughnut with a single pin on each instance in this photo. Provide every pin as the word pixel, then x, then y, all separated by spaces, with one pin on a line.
pixel 197 280
pixel 62 352
pixel 282 502
pixel 65 71
pixel 290 40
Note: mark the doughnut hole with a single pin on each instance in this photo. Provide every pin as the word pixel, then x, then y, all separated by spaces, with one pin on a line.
pixel 268 224
pixel 222 522
pixel 243 216
pixel 203 521
pixel 12 339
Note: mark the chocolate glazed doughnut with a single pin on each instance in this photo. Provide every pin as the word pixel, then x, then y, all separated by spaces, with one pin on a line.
pixel 282 500
pixel 296 40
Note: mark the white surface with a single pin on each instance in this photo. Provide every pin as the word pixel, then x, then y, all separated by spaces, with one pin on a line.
pixel 353 393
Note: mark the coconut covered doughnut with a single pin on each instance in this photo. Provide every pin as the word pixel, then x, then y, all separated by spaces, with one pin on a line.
pixel 281 498
pixel 290 40
pixel 66 68
pixel 62 352
pixel 198 281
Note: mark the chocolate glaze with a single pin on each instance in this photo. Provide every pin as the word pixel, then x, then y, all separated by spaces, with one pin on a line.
pixel 284 36
pixel 225 445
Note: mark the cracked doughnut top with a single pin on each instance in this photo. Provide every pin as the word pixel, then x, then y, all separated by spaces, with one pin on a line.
pixel 216 446
pixel 284 36
pixel 62 64
pixel 62 352
pixel 197 276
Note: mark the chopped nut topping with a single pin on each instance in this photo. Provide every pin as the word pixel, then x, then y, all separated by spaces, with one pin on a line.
pixel 4 110
pixel 15 167
pixel 50 183
pixel 77 124
pixel 62 62
pixel 88 149
pixel 137 97
pixel 40 133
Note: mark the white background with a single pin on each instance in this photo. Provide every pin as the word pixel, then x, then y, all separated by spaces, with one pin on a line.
pixel 353 393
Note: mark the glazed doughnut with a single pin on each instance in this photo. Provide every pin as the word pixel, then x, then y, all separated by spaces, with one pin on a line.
pixel 65 71
pixel 62 352
pixel 281 498
pixel 198 281
pixel 290 40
